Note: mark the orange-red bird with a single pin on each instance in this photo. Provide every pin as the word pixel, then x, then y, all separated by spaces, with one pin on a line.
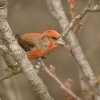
pixel 38 45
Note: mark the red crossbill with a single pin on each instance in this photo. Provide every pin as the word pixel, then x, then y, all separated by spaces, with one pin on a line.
pixel 38 45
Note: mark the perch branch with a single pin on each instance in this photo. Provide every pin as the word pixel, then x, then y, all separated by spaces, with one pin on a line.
pixel 20 56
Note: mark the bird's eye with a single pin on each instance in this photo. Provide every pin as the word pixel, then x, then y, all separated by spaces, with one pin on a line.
pixel 54 38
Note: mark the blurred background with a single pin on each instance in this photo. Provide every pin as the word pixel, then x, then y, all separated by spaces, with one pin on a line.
pixel 33 16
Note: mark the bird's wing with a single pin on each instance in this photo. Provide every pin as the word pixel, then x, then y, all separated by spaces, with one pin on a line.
pixel 36 39
pixel 24 44
pixel 28 36
pixel 31 37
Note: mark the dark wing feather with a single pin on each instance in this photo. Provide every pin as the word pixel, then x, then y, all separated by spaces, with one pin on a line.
pixel 26 46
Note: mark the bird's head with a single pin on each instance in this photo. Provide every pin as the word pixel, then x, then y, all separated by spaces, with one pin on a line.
pixel 55 36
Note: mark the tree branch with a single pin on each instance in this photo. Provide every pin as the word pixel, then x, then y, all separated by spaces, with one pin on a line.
pixel 63 87
pixel 20 56
pixel 76 20
pixel 10 73
pixel 57 11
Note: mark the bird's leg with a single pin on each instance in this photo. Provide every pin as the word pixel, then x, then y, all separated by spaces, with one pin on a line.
pixel 44 57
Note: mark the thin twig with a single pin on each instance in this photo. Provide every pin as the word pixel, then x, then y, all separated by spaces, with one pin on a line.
pixel 72 40
pixel 90 2
pixel 11 70
pixel 10 73
pixel 58 81
pixel 76 20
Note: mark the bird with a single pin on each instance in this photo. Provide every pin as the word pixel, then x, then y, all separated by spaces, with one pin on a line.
pixel 38 45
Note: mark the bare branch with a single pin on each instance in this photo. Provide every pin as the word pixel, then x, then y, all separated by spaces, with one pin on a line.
pixel 63 87
pixel 11 70
pixel 57 11
pixel 90 2
pixel 10 73
pixel 73 42
pixel 76 20
pixel 86 90
pixel 20 56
